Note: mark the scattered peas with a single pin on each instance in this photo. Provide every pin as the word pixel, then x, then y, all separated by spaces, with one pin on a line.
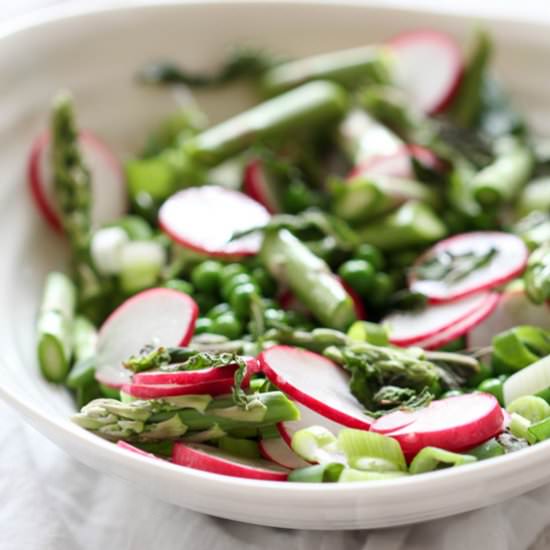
pixel 181 285
pixel 359 274
pixel 203 324
pixel 494 387
pixel 370 254
pixel 206 276
pixel 240 299
pixel 227 325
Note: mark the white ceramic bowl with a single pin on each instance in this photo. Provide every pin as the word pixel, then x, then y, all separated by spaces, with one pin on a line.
pixel 95 54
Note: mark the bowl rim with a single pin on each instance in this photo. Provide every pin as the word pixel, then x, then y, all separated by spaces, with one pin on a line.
pixel 512 463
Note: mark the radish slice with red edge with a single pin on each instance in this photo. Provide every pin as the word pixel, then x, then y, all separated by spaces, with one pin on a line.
pixel 211 459
pixel 257 185
pixel 109 193
pixel 398 164
pixel 455 424
pixel 308 418
pixel 210 374
pixel 428 65
pixel 316 382
pixel 461 327
pixel 158 391
pixel 158 316
pixel 507 263
pixel 408 328
pixel 132 449
pixel 277 450
pixel 203 219
pixel 514 309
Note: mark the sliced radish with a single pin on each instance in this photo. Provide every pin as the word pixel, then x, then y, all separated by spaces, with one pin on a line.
pixel 204 219
pixel 397 164
pixel 258 185
pixel 210 459
pixel 132 449
pixel 109 193
pixel 514 309
pixel 461 327
pixel 158 316
pixel 407 328
pixel 316 382
pixel 277 450
pixel 360 312
pixel 454 424
pixel 190 377
pixel 528 381
pixel 308 418
pixel 508 262
pixel 428 65
pixel 158 391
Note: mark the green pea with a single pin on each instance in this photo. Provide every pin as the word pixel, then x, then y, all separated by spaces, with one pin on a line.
pixel 218 309
pixel 264 280
pixel 452 393
pixel 230 270
pixel 485 371
pixel 382 289
pixel 494 387
pixel 227 325
pixel 234 282
pixel 203 324
pixel 180 284
pixel 358 274
pixel 297 197
pixel 240 299
pixel 370 254
pixel 205 302
pixel 206 276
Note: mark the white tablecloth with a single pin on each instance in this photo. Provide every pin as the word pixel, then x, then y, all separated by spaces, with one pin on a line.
pixel 48 501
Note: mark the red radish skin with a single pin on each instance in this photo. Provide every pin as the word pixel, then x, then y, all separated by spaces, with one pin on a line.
pixel 278 451
pixel 135 450
pixel 509 262
pixel 203 219
pixel 162 316
pixel 409 328
pixel 316 382
pixel 462 327
pixel 190 377
pixel 256 186
pixel 210 459
pixel 158 391
pixel 110 199
pixel 455 424
pixel 429 65
pixel 360 311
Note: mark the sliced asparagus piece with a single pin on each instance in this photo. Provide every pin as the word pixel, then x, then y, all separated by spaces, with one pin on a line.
pixel 309 277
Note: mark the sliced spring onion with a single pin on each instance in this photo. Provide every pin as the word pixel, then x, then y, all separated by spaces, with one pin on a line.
pixel 432 458
pixel 520 347
pixel 140 265
pixel 106 249
pixel 519 426
pixel 528 381
pixel 530 407
pixel 239 447
pixel 540 430
pixel 84 338
pixel 373 333
pixel 316 444
pixel 489 449
pixel 351 474
pixel 371 451
pixel 328 473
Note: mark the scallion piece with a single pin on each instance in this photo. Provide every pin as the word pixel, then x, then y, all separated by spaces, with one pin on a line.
pixel 351 474
pixel 519 426
pixel 489 449
pixel 140 265
pixel 540 430
pixel 433 458
pixel 319 473
pixel 316 444
pixel 531 407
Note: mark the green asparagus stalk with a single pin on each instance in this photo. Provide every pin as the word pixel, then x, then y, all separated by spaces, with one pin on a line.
pixel 413 224
pixel 502 180
pixel 309 277
pixel 309 106
pixel 537 275
pixel 349 68
pixel 54 327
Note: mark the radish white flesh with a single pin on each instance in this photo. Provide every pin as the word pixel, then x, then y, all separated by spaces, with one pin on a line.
pixel 508 262
pixel 528 381
pixel 109 193
pixel 428 65
pixel 193 376
pixel 204 219
pixel 277 450
pixel 514 309
pixel 256 184
pixel 462 327
pixel 308 418
pixel 210 459
pixel 454 424
pixel 407 328
pixel 159 316
pixel 136 450
pixel 315 382
pixel 158 391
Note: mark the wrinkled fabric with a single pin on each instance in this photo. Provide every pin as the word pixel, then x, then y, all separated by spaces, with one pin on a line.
pixel 49 501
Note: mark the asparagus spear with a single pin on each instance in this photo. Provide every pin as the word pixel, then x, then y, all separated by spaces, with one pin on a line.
pixel 537 275
pixel 413 224
pixel 309 277
pixel 349 68
pixel 55 345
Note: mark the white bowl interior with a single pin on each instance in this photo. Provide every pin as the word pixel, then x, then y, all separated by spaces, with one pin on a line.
pixel 96 55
